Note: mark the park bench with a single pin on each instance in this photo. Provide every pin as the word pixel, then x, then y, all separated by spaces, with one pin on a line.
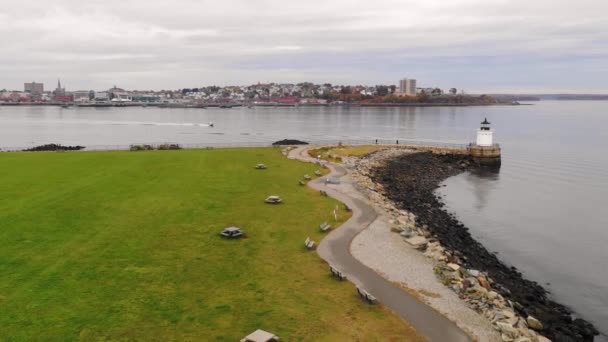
pixel 366 296
pixel 318 173
pixel 336 273
pixel 307 177
pixel 324 226
pixel 323 193
pixel 261 167
pixel 302 182
pixel 309 244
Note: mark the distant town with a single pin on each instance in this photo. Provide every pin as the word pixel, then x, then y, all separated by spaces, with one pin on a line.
pixel 269 94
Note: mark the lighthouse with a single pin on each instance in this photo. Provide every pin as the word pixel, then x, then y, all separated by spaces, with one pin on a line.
pixel 484 151
pixel 484 134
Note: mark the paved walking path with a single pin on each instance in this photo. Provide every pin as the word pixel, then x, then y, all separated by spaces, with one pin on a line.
pixel 335 249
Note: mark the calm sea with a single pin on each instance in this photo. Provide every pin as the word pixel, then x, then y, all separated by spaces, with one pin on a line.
pixel 542 212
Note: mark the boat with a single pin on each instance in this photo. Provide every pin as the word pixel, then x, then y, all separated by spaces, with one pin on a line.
pixel 211 124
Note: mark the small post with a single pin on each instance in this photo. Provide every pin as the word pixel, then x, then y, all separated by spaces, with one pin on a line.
pixel 397 141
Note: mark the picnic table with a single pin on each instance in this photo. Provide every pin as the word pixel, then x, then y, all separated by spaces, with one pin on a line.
pixel 260 336
pixel 273 199
pixel 232 232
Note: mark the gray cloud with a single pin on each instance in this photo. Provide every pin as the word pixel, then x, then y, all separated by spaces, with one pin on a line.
pixel 507 45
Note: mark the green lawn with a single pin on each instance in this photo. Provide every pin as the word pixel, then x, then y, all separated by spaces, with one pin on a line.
pixel 125 246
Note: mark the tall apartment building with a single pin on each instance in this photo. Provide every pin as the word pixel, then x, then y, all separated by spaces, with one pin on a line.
pixel 407 87
pixel 33 88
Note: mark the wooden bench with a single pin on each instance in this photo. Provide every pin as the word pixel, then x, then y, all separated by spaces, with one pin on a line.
pixel 302 182
pixel 366 296
pixel 324 226
pixel 336 273
pixel 323 193
pixel 318 173
pixel 307 177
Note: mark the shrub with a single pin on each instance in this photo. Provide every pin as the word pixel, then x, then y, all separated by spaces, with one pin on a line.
pixel 54 147
pixel 136 148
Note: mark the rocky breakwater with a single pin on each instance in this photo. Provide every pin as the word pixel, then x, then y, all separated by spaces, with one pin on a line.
pixel 403 185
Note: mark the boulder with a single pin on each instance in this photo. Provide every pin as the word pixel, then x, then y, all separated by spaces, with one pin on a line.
pixel 403 220
pixel 541 338
pixel 484 283
pixel 523 339
pixel 396 229
pixel 498 303
pixel 533 323
pixel 521 324
pixel 506 338
pixel 498 316
pixel 508 313
pixel 417 241
pixel 474 273
pixel 507 331
pixel 434 254
pixel 473 282
pixel 512 321
pixel 492 295
pixel 454 267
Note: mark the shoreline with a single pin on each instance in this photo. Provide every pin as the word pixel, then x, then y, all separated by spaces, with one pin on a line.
pixel 261 105
pixel 400 180
pixel 335 249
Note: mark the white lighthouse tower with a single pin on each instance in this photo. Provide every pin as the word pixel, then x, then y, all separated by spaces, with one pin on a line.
pixel 484 151
pixel 484 134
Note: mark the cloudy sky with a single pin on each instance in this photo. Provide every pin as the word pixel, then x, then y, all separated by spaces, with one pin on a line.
pixel 522 46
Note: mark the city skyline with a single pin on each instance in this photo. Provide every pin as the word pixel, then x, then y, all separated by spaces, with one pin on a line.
pixel 479 46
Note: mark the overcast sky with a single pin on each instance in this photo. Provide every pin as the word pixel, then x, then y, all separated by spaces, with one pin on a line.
pixel 520 46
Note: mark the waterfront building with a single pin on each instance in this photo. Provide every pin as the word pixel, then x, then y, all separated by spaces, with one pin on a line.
pixel 121 97
pixel 102 96
pixel 59 91
pixel 407 87
pixel 82 95
pixel 146 98
pixel 34 88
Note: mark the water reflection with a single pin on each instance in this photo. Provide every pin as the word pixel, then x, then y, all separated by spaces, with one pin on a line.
pixel 483 180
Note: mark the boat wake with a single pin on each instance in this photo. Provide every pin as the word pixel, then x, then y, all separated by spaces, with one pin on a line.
pixel 130 123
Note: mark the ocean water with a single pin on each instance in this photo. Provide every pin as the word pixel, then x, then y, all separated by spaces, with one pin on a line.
pixel 543 212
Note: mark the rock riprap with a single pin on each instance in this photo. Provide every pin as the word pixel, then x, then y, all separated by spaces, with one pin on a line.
pixel 403 183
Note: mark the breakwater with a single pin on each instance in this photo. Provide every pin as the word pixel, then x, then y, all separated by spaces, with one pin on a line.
pixel 410 181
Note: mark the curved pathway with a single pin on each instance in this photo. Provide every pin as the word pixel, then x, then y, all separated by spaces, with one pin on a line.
pixel 335 249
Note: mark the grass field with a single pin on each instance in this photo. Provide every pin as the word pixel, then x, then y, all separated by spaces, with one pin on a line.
pixel 124 246
pixel 335 153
